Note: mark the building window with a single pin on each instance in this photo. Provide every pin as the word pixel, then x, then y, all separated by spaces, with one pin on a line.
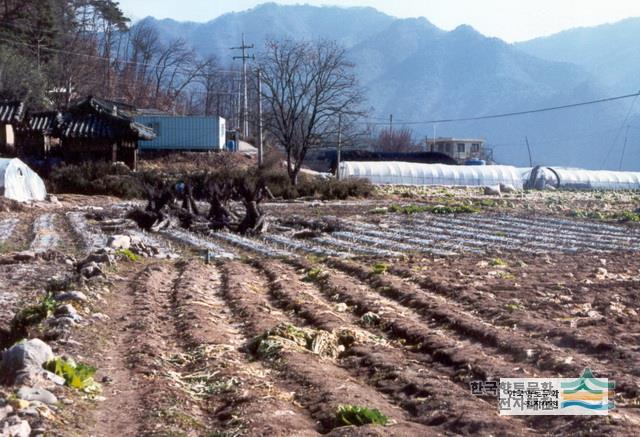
pixel 475 148
pixel 461 148
pixel 441 148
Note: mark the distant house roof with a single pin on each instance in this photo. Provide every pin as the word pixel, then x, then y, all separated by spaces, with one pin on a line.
pixel 152 111
pixel 43 122
pixel 98 118
pixel 455 140
pixel 11 112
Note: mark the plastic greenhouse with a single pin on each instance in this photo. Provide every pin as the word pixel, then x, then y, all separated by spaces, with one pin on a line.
pixel 407 173
pixel 19 182
pixel 575 178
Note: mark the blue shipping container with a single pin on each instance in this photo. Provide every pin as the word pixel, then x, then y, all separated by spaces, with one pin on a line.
pixel 184 133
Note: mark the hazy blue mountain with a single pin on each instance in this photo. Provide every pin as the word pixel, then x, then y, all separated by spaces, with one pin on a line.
pixel 417 72
pixel 348 26
pixel 610 52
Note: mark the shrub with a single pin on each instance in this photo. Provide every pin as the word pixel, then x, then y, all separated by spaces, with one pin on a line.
pixel 326 189
pixel 103 178
pixel 96 178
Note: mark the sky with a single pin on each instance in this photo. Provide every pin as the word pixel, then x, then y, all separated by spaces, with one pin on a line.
pixel 510 20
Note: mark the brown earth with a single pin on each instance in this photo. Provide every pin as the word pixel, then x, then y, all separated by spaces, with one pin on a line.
pixel 177 343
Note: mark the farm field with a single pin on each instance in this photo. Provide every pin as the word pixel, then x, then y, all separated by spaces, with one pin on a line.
pixel 377 303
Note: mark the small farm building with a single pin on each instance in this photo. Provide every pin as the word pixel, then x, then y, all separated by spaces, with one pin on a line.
pixel 184 133
pixel 97 129
pixel 37 136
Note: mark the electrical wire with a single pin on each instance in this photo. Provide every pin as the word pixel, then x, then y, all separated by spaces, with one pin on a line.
pixel 512 114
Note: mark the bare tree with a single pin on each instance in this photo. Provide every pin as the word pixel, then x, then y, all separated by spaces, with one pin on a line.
pixel 306 86
pixel 396 140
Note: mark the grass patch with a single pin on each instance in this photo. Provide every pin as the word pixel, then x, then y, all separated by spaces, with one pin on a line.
pixel 313 275
pixel 76 375
pixel 128 254
pixel 348 415
pixel 606 216
pixel 380 268
pixel 34 314
pixel 370 319
pixel 498 262
pixel 513 306
pixel 433 209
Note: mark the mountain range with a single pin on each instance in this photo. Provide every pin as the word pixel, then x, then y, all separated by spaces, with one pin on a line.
pixel 418 72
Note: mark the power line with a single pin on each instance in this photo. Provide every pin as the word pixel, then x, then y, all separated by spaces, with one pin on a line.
pixel 513 114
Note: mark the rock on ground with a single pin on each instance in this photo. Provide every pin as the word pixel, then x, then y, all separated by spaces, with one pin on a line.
pixel 492 190
pixel 119 242
pixel 24 360
pixel 15 427
pixel 36 394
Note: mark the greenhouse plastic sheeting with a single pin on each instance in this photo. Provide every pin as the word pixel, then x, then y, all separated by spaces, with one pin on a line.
pixel 19 182
pixel 575 178
pixel 407 173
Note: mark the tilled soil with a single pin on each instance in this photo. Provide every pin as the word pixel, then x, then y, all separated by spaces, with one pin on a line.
pixel 177 343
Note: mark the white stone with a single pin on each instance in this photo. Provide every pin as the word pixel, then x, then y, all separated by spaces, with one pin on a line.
pixel 493 190
pixel 119 242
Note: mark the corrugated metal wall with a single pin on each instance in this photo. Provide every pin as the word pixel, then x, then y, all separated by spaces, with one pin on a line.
pixel 184 133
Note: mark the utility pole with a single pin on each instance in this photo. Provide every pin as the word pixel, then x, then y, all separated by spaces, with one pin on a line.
pixel 624 147
pixel 390 124
pixel 245 110
pixel 339 146
pixel 237 107
pixel 526 139
pixel 260 150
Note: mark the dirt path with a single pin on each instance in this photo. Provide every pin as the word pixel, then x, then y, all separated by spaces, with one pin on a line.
pixel 135 344
pixel 119 413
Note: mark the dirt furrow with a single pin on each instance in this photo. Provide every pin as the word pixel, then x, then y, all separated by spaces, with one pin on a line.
pixel 6 229
pixel 143 397
pixel 519 346
pixel 242 395
pixel 463 359
pixel 411 379
pixel 583 339
pixel 319 385
pixel 45 236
